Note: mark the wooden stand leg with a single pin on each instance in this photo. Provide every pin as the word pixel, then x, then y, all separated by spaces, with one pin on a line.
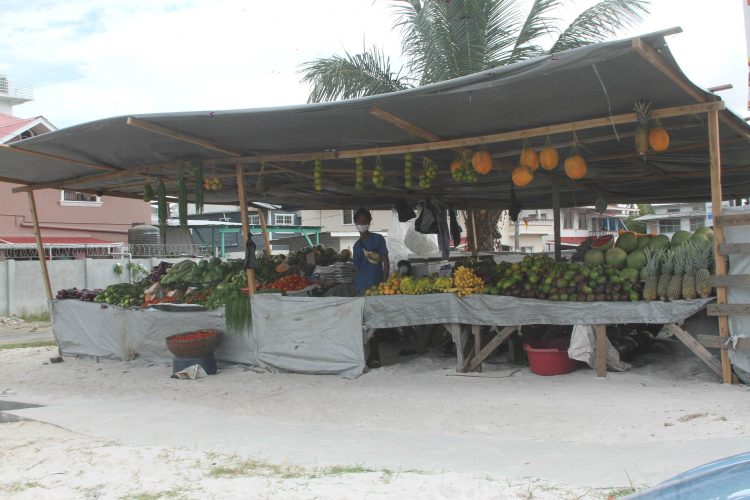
pixel 493 344
pixel 476 331
pixel 696 347
pixel 601 350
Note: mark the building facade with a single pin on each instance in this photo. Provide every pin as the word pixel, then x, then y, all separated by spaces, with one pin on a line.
pixel 669 218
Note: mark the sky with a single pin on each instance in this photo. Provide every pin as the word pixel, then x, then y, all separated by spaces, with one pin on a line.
pixel 92 59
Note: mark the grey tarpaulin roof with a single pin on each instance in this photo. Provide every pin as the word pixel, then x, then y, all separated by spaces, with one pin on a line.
pixel 591 82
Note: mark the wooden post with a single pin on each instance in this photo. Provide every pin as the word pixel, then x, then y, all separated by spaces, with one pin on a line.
pixel 40 246
pixel 475 250
pixel 245 222
pixel 721 263
pixel 601 350
pixel 556 220
pixel 476 330
pixel 264 231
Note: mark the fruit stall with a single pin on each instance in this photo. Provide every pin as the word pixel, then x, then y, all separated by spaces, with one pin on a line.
pixel 608 123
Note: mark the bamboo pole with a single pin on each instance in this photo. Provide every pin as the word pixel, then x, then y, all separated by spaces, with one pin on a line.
pixel 721 263
pixel 556 221
pixel 245 223
pixel 40 246
pixel 264 231
pixel 475 250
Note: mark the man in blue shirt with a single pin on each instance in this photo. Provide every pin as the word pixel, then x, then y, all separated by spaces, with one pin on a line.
pixel 371 266
pixel 370 255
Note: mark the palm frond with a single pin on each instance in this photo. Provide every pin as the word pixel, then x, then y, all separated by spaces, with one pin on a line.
pixel 351 75
pixel 602 21
pixel 538 23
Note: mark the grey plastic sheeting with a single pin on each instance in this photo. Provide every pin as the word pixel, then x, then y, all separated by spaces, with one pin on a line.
pixel 401 310
pixel 739 325
pixel 321 335
pixel 114 332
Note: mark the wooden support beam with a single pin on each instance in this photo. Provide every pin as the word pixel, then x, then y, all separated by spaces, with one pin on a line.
pixel 264 231
pixel 40 246
pixel 482 139
pixel 725 310
pixel 180 136
pixel 399 122
pixel 730 280
pixel 720 261
pixel 556 221
pixel 476 331
pixel 716 342
pixel 697 349
pixel 245 222
pixel 48 156
pixel 652 56
pixel 493 344
pixel 600 332
pixel 719 88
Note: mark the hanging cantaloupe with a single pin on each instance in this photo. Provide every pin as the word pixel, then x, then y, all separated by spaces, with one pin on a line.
pixel 549 158
pixel 482 162
pixel 658 139
pixel 575 167
pixel 529 158
pixel 522 176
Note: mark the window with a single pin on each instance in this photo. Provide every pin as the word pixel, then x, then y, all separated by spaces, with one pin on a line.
pixel 581 221
pixel 596 225
pixel 347 217
pixel 253 219
pixel 527 249
pixel 568 219
pixel 696 222
pixel 543 216
pixel 283 219
pixel 74 198
pixel 669 226
pixel 673 210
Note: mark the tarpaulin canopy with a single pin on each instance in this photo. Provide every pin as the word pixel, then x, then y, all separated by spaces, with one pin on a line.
pixel 587 93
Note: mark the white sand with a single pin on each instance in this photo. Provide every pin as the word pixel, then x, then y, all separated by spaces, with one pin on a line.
pixel 127 428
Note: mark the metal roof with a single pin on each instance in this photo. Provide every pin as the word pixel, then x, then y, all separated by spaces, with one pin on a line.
pixel 595 87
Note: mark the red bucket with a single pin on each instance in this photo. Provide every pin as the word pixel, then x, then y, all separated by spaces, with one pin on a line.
pixel 549 357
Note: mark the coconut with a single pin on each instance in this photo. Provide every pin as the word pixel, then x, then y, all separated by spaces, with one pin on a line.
pixel 643 240
pixel 627 241
pixel 593 256
pixel 616 257
pixel 644 273
pixel 680 237
pixel 637 259
pixel 630 274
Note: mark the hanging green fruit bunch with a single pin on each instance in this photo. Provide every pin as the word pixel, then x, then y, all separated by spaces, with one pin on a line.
pixel 318 175
pixel 408 165
pixel 378 179
pixel 462 171
pixel 161 202
pixel 359 174
pixel 198 177
pixel 148 193
pixel 429 172
pixel 182 202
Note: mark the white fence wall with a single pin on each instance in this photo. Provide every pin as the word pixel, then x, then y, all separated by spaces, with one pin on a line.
pixel 22 286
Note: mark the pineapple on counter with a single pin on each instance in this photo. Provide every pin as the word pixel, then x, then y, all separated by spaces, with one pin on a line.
pixel 650 289
pixel 702 274
pixel 674 290
pixel 688 281
pixel 667 266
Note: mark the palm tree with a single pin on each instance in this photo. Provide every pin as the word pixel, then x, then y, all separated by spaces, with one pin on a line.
pixel 445 39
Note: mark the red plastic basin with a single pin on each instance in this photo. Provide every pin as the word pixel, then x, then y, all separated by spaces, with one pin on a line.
pixel 549 357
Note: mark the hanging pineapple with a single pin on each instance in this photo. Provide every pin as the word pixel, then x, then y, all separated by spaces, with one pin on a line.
pixel 408 167
pixel 643 112
pixel 688 280
pixel 674 290
pixel 702 274
pixel 650 289
pixel 667 266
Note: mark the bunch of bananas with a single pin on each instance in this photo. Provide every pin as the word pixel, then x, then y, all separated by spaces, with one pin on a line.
pixel 442 283
pixel 466 282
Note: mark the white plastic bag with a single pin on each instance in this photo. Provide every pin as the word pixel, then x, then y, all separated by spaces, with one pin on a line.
pixel 583 348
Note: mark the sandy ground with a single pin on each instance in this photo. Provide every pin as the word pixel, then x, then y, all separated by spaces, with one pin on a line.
pixel 17 331
pixel 412 429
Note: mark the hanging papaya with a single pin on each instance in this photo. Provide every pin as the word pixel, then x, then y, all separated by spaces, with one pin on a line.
pixel 482 162
pixel 529 158
pixel 548 158
pixel 522 176
pixel 575 167
pixel 658 139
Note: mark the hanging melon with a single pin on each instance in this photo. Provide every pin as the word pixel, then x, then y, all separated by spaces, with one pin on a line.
pixel 658 139
pixel 548 158
pixel 522 176
pixel 529 158
pixel 482 162
pixel 575 167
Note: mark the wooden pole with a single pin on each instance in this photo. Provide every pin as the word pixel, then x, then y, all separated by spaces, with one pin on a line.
pixel 475 250
pixel 245 222
pixel 40 246
pixel 721 263
pixel 556 220
pixel 264 231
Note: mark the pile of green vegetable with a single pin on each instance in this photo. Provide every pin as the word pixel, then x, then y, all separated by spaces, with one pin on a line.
pixel 122 294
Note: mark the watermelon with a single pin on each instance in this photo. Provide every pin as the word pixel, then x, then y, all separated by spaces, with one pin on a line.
pixel 603 242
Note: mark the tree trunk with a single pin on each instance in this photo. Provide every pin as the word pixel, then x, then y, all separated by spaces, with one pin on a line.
pixel 488 234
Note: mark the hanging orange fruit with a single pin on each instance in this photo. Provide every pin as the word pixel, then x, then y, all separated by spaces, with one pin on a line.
pixel 658 139
pixel 457 164
pixel 575 167
pixel 522 176
pixel 482 162
pixel 548 158
pixel 529 159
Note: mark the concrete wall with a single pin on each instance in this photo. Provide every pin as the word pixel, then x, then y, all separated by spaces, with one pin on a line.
pixel 22 286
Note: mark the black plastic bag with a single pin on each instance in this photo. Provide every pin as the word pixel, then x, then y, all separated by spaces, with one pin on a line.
pixel 405 212
pixel 250 248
